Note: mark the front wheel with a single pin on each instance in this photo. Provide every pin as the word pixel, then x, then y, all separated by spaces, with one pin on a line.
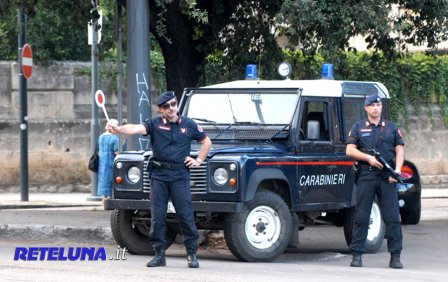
pixel 130 229
pixel 260 232
pixel 377 228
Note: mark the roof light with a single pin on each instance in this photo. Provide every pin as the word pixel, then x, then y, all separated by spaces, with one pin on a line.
pixel 251 72
pixel 327 71
pixel 284 69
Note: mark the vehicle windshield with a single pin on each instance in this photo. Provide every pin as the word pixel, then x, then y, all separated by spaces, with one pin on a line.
pixel 242 108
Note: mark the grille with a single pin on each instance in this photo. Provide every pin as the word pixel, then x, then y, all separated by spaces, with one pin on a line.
pixel 198 178
pixel 246 132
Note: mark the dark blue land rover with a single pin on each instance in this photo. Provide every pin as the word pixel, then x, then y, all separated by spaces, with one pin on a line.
pixel 277 165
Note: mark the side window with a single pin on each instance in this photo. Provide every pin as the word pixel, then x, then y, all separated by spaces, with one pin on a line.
pixel 353 111
pixel 317 113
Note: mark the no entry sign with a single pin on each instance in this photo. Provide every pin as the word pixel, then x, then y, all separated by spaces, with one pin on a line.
pixel 27 61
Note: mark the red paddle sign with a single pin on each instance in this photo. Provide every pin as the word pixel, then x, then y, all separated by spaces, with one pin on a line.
pixel 100 101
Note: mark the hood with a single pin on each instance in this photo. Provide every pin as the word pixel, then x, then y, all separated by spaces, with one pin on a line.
pixel 238 149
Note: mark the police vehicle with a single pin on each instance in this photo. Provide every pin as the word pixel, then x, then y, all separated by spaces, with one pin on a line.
pixel 277 165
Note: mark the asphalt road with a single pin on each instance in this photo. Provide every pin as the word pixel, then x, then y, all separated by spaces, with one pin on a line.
pixel 323 256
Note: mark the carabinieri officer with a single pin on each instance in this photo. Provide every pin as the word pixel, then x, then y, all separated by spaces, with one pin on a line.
pixel 171 137
pixel 374 132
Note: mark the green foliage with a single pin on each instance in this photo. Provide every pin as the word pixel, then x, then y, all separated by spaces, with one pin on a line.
pixel 246 39
pixel 56 30
pixel 416 79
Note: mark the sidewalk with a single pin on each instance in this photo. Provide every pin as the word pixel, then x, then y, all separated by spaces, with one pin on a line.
pixel 46 200
pixel 55 200
pixel 71 217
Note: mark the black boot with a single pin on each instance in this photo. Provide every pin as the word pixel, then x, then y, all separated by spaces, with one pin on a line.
pixel 157 260
pixel 193 261
pixel 395 262
pixel 356 260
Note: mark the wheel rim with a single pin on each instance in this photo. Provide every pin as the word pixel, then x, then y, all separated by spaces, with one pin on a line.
pixel 262 227
pixel 375 222
pixel 140 225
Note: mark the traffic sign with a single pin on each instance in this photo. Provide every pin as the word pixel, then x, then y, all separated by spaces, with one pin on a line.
pixel 27 61
pixel 100 101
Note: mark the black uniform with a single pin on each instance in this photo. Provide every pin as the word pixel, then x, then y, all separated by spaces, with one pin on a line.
pixel 171 144
pixel 372 181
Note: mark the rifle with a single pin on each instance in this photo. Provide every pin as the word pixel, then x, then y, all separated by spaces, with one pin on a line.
pixel 381 159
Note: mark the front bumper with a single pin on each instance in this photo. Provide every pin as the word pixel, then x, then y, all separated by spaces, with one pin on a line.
pixel 130 204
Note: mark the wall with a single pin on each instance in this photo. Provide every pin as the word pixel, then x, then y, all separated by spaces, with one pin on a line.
pixel 59 110
pixel 59 117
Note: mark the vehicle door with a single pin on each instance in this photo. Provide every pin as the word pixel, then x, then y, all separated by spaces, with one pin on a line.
pixel 321 171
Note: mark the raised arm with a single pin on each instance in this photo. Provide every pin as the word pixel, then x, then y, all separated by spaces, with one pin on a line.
pixel 127 129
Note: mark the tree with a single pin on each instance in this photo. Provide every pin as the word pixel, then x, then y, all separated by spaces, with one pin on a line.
pixel 326 26
pixel 187 31
pixel 231 32
pixel 57 30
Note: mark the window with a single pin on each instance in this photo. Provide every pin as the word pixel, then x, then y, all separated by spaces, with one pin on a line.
pixel 230 108
pixel 317 112
pixel 353 111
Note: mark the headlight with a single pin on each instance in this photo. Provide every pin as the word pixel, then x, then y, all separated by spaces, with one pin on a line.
pixel 134 174
pixel 220 176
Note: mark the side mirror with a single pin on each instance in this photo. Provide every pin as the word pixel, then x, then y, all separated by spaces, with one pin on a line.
pixel 313 130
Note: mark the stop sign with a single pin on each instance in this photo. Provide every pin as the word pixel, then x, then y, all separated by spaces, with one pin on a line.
pixel 27 61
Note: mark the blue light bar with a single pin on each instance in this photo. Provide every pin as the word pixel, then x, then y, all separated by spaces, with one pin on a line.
pixel 327 71
pixel 251 72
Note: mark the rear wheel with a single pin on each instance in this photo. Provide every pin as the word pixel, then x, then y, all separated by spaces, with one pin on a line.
pixel 130 229
pixel 376 231
pixel 260 232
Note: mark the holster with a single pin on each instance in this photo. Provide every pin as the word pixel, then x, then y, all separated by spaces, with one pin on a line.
pixel 357 171
pixel 149 167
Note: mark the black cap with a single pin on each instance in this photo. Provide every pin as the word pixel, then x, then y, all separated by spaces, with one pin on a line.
pixel 372 99
pixel 165 97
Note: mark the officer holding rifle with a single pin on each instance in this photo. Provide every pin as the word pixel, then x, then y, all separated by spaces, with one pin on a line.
pixel 368 138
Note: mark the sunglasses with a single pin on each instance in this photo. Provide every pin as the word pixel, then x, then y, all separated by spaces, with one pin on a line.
pixel 168 105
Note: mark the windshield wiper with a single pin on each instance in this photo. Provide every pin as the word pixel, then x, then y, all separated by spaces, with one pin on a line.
pixel 246 123
pixel 204 120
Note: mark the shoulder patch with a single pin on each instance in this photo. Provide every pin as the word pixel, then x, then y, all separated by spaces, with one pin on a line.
pixel 200 128
pixel 400 133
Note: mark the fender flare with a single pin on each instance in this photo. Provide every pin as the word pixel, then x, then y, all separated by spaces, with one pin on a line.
pixel 260 175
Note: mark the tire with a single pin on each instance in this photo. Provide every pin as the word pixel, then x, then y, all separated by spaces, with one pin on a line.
pixel 260 232
pixel 130 229
pixel 411 216
pixel 376 232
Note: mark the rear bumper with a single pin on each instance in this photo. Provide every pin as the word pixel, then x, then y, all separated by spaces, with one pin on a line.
pixel 130 204
pixel 410 194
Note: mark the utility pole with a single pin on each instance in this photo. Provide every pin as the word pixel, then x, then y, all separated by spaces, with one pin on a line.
pixel 138 79
pixel 23 110
pixel 94 125
pixel 118 12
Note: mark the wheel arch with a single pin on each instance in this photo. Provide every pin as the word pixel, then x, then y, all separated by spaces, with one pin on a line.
pixel 270 179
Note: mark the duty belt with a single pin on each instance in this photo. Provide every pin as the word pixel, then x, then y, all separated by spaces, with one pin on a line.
pixel 168 165
pixel 369 167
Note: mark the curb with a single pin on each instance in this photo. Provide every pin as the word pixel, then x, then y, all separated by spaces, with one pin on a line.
pixel 99 235
pixel 56 233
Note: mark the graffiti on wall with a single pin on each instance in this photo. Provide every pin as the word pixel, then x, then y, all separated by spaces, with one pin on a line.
pixel 143 104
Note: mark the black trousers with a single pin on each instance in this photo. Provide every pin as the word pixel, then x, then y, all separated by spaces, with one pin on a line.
pixel 371 185
pixel 180 194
